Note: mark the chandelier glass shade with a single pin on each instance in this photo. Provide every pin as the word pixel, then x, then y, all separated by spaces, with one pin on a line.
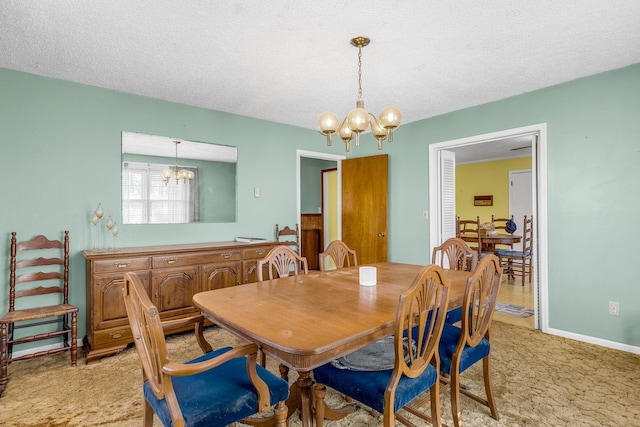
pixel 183 175
pixel 359 120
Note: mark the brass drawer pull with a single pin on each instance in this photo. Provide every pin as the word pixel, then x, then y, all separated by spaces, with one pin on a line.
pixel 260 252
pixel 171 260
pixel 116 334
pixel 226 256
pixel 122 264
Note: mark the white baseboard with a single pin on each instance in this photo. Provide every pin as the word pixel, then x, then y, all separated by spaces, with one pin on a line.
pixel 596 341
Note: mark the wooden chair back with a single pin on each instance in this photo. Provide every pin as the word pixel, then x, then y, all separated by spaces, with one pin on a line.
pixel 470 230
pixel 38 267
pixel 281 261
pixel 500 223
pixel 340 253
pixel 289 236
pixel 51 281
pixel 455 254
pixel 480 299
pixel 148 334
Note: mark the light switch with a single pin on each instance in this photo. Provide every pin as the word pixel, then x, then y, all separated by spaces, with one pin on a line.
pixel 256 192
pixel 425 214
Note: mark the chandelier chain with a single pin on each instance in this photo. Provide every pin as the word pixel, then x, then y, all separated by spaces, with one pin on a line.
pixel 359 73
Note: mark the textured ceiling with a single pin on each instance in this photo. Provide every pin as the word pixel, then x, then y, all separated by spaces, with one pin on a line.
pixel 287 61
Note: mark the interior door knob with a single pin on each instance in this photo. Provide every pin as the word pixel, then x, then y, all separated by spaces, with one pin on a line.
pixel 381 234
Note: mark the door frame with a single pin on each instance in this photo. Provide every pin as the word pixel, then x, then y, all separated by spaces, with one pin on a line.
pixel 321 156
pixel 539 181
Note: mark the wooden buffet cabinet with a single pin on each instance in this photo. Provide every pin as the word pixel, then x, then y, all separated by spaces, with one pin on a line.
pixel 172 274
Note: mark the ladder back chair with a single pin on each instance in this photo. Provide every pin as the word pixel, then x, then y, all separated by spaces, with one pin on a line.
pixel 31 277
pixel 219 388
pixel 341 255
pixel 418 325
pixel 463 346
pixel 516 262
pixel 289 236
pixel 501 225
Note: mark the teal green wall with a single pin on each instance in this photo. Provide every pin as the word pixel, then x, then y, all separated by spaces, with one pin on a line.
pixel 63 142
pixel 311 183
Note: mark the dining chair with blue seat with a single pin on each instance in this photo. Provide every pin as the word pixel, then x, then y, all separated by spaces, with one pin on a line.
pixel 519 261
pixel 219 388
pixel 415 369
pixel 463 346
pixel 455 254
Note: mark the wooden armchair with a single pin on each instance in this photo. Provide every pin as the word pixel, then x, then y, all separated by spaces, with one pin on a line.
pixel 464 346
pixel 500 225
pixel 32 277
pixel 218 388
pixel 419 322
pixel 340 254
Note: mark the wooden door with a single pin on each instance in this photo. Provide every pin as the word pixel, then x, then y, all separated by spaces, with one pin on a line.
pixel 364 207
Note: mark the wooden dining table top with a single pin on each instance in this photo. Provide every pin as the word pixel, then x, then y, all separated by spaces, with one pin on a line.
pixel 308 320
pixel 496 239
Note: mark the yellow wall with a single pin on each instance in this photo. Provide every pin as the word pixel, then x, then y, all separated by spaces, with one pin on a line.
pixel 487 178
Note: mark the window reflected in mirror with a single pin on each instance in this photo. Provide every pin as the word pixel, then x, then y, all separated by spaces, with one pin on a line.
pixel 157 187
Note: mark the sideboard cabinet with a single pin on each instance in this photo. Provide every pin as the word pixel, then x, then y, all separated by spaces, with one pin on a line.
pixel 172 274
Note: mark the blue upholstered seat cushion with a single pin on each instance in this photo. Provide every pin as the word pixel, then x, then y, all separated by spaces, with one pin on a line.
pixel 512 254
pixel 454 316
pixel 368 387
pixel 447 347
pixel 217 397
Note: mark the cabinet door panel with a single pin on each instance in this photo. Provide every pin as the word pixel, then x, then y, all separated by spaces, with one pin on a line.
pixel 108 306
pixel 173 290
pixel 221 275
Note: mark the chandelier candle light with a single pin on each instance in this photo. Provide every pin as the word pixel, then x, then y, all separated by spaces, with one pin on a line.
pixel 359 119
pixel 179 174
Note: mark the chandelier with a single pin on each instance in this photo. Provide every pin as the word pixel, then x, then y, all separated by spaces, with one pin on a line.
pixel 178 174
pixel 359 119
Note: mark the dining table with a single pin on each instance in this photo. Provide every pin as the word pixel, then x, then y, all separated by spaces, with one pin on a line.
pixel 489 242
pixel 308 320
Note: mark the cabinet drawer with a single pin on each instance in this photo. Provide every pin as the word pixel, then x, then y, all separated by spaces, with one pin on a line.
pixel 112 337
pixel 257 253
pixel 120 264
pixel 179 260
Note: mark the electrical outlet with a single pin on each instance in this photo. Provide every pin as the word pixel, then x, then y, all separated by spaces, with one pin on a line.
pixel 256 192
pixel 614 308
pixel 425 214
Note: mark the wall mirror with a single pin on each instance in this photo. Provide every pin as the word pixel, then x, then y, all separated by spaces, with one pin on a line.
pixel 155 192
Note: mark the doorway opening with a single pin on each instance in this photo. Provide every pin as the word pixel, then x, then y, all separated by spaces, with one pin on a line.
pixel 438 203
pixel 303 187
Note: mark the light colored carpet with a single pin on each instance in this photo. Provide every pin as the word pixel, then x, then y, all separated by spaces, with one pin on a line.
pixel 539 380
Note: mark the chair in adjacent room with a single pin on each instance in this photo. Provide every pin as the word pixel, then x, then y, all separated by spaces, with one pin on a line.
pixel 413 364
pixel 501 225
pixel 281 261
pixel 341 255
pixel 38 301
pixel 289 236
pixel 219 388
pixel 519 262
pixel 470 231
pixel 455 254
pixel 463 346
